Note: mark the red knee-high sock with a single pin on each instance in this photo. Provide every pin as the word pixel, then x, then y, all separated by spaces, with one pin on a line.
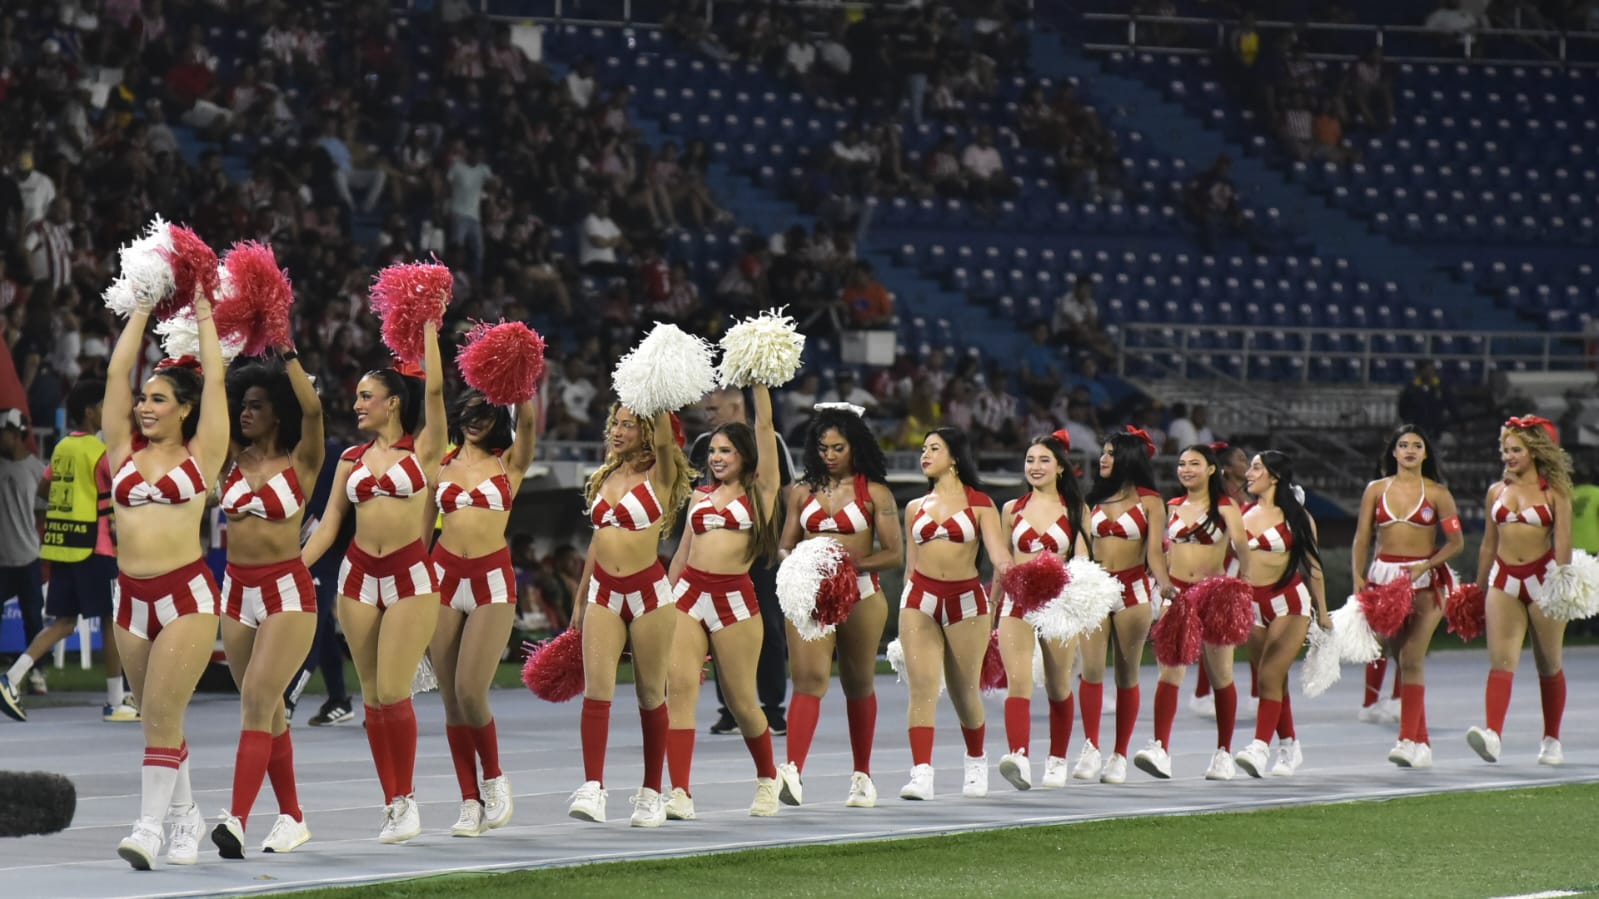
pixel 1412 707
pixel 1266 718
pixel 761 752
pixel 974 737
pixel 464 755
pixel 281 770
pixel 249 770
pixel 1126 716
pixel 1498 699
pixel 1091 702
pixel 1254 682
pixel 862 714
pixel 1285 720
pixel 1018 723
pixel 1060 725
pixel 655 725
pixel 1165 712
pixel 486 740
pixel 680 756
pixel 1203 687
pixel 401 726
pixel 594 730
pixel 377 737
pixel 1374 674
pixel 1553 691
pixel 921 746
pixel 803 712
pixel 1226 715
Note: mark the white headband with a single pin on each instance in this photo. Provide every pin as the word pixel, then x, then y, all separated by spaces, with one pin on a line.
pixel 857 411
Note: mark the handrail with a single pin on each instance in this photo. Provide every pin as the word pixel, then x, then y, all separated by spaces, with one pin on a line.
pixel 562 10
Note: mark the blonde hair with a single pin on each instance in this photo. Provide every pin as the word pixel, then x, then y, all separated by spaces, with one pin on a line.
pixel 682 482
pixel 1554 463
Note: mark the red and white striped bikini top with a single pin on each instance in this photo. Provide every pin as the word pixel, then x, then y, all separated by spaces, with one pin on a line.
pixel 958 528
pixel 278 499
pixel 493 493
pixel 638 509
pixel 1424 515
pixel 1540 514
pixel 735 516
pixel 176 487
pixel 849 520
pixel 1130 525
pixel 1275 539
pixel 1204 531
pixel 403 479
pixel 1024 539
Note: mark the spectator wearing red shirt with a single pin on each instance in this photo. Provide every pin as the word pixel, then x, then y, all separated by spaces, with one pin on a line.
pixel 870 304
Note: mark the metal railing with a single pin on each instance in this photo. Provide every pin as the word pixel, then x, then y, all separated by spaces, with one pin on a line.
pixel 641 13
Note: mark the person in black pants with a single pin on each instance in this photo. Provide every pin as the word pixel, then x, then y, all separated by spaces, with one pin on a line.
pixel 327 652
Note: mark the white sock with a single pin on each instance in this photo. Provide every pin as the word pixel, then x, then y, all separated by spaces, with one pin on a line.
pixel 113 691
pixel 182 796
pixel 20 669
pixel 158 781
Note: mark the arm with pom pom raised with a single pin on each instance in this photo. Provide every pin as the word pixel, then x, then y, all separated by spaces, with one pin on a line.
pixel 435 424
pixel 525 443
pixel 116 409
pixel 309 454
pixel 1360 550
pixel 664 474
pixel 211 439
pixel 1490 537
pixel 768 472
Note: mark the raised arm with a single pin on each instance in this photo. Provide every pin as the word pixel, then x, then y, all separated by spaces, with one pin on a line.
pixel 520 455
pixel 327 530
pixel 769 473
pixel 885 527
pixel 665 471
pixel 313 441
pixel 116 410
pixel 435 424
pixel 211 440
pixel 1234 520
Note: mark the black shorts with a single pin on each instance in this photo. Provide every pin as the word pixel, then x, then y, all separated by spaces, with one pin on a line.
pixel 81 589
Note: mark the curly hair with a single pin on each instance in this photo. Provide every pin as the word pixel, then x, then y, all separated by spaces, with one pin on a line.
pixel 1554 464
pixel 866 457
pixel 1431 468
pixel 682 483
pixel 273 379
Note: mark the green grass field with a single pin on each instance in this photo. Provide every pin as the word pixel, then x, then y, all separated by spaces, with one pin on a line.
pixel 1459 845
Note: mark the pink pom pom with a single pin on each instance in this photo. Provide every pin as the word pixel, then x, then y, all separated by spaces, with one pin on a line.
pixel 1177 634
pixel 1466 610
pixel 838 594
pixel 504 362
pixel 1388 606
pixel 993 677
pixel 194 268
pixel 554 668
pixel 1032 584
pixel 406 296
pixel 258 300
pixel 1226 607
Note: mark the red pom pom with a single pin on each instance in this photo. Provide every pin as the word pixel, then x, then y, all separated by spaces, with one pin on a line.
pixel 993 677
pixel 554 668
pixel 1032 584
pixel 256 305
pixel 504 362
pixel 406 296
pixel 1466 610
pixel 839 593
pixel 1177 634
pixel 1388 606
pixel 194 268
pixel 1226 607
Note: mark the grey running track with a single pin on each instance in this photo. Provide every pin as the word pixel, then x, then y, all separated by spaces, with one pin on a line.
pixel 1344 761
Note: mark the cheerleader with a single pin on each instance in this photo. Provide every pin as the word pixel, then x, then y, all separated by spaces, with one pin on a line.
pixel 1232 462
pixel 477 592
pixel 1203 524
pixel 167 614
pixel 944 620
pixel 1407 547
pixel 388 598
pixel 732 524
pixel 1285 569
pixel 844 496
pixel 268 598
pixel 1048 518
pixel 1527 534
pixel 1125 506
pixel 624 597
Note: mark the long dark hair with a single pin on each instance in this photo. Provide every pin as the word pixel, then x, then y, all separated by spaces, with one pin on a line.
pixel 960 450
pixel 763 538
pixel 280 393
pixel 866 457
pixel 1066 487
pixel 1213 484
pixel 409 390
pixel 1431 468
pixel 1130 464
pixel 472 406
pixel 187 388
pixel 1303 552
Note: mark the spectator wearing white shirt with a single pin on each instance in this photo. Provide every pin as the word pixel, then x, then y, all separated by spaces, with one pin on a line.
pixel 467 179
pixel 849 390
pixel 580 84
pixel 985 169
pixel 1188 428
pixel 36 188
pixel 599 242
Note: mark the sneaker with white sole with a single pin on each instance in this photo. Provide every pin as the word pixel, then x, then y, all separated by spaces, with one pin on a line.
pixel 679 805
pixel 36 684
pixel 789 788
pixel 286 835
pixel 122 713
pixel 1484 742
pixel 333 711
pixel 1221 766
pixel 184 830
pixel 11 705
pixel 975 782
pixel 228 836
pixel 862 792
pixel 766 803
pixel 1018 769
pixel 1289 757
pixel 1550 752
pixel 1154 760
pixel 1370 714
pixel 1203 706
pixel 141 847
pixel 1403 753
pixel 403 822
pixel 1421 757
pixel 1115 770
pixel 588 802
pixel 920 785
pixel 1088 763
pixel 649 808
pixel 470 823
pixel 1252 759
pixel 1056 771
pixel 497 802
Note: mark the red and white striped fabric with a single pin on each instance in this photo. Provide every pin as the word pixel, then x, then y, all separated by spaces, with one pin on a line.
pixel 1526 581
pixel 716 600
pixel 403 479
pixel 868 584
pixel 384 581
pixel 492 493
pixel 1024 539
pixel 250 593
pixel 946 602
pixel 960 527
pixel 638 509
pixel 632 595
pixel 49 247
pixel 277 500
pixel 1272 603
pixel 851 519
pixel 1387 568
pixel 1137 589
pixel 176 487
pixel 145 605
pixel 465 584
pixel 735 516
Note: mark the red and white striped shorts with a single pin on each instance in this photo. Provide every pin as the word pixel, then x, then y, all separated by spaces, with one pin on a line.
pixel 145 605
pixel 946 602
pixel 716 600
pixel 1271 602
pixel 1137 588
pixel 465 584
pixel 382 581
pixel 252 592
pixel 1387 568
pixel 631 595
pixel 1526 581
pixel 868 584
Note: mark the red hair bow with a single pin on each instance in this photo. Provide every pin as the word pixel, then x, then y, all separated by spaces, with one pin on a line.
pixel 1141 434
pixel 1534 421
pixel 1219 447
pixel 409 369
pixel 1065 437
pixel 188 362
pixel 677 430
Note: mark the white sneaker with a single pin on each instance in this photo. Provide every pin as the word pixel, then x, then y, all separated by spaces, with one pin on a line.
pixel 1422 756
pixel 1221 766
pixel 1289 758
pixel 1390 710
pixel 1403 753
pixel 766 802
pixel 229 836
pixel 679 805
pixel 1088 762
pixel 141 847
pixel 921 784
pixel 497 802
pixel 1252 758
pixel 1056 770
pixel 1485 742
pixel 286 835
pixel 1550 752
pixel 470 823
pixel 975 783
pixel 1018 769
pixel 183 838
pixel 1154 760
pixel 1370 714
pixel 1115 771
pixel 789 788
pixel 588 802
pixel 403 822
pixel 862 792
pixel 1203 706
pixel 649 809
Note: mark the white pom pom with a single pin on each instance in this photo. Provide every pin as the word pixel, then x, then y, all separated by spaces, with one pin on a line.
pixel 761 350
pixel 180 336
pixel 1572 592
pixel 667 371
pixel 800 578
pixel 1321 669
pixel 1090 594
pixel 145 276
pixel 426 680
pixel 1357 644
pixel 896 661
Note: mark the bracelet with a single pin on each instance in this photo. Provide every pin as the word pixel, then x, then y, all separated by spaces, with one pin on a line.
pixel 289 355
